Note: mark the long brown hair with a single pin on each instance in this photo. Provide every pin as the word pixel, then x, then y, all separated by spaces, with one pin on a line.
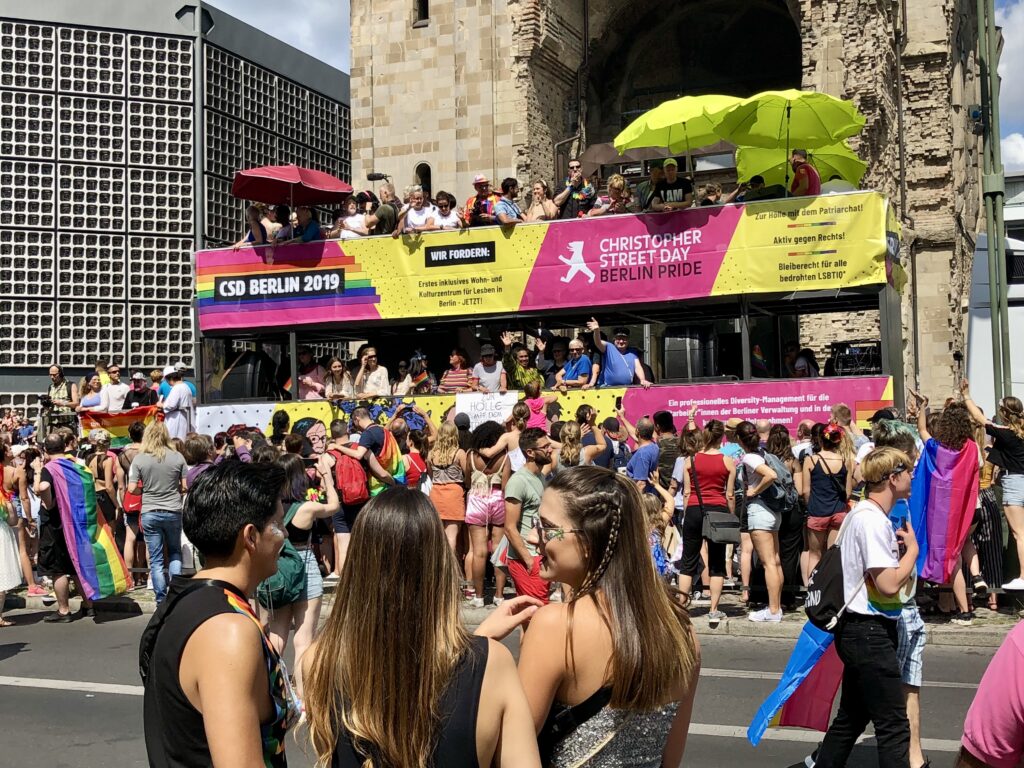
pixel 653 649
pixel 572 446
pixel 1011 413
pixel 387 699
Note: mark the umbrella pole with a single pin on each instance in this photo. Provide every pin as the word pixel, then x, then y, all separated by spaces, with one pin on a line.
pixel 689 166
pixel 788 166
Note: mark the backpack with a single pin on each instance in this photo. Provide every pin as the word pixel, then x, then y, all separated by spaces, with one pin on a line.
pixel 781 496
pixel 349 479
pixel 287 585
pixel 826 597
pixel 620 459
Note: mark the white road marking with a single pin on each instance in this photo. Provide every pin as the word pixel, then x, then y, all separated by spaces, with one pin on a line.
pixel 806 737
pixel 72 685
pixel 746 674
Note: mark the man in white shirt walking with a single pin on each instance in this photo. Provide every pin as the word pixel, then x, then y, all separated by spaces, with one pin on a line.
pixel 874 571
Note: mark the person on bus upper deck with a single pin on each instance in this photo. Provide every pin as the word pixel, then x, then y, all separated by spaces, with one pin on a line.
pixel 806 180
pixel 616 201
pixel 674 192
pixel 506 210
pixel 255 231
pixel 308 228
pixel 645 189
pixel 447 216
pixel 578 195
pixel 283 216
pixel 550 366
pixel 621 362
pixel 480 207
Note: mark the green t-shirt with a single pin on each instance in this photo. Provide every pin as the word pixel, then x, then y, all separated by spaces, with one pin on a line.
pixel 526 488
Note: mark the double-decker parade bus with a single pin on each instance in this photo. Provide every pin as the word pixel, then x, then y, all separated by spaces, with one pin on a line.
pixel 714 296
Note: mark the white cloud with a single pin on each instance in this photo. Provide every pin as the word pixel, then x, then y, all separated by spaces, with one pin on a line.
pixel 1011 64
pixel 318 27
pixel 1013 152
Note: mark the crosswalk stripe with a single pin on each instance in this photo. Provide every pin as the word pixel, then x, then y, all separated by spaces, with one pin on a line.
pixel 748 674
pixel 806 737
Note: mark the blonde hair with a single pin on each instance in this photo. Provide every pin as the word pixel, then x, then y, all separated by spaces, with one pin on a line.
pixel 618 181
pixel 572 446
pixel 446 447
pixel 388 701
pixel 878 465
pixel 156 440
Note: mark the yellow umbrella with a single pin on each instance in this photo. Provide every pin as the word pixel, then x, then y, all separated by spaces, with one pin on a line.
pixel 773 164
pixel 790 118
pixel 678 125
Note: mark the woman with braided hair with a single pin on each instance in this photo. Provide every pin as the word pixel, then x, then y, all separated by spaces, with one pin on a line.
pixel 628 673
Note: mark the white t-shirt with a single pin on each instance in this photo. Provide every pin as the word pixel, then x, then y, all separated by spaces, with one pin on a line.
pixel 863 451
pixel 419 218
pixel 451 221
pixel 677 475
pixel 488 377
pixel 112 397
pixel 376 382
pixel 868 541
pixel 356 220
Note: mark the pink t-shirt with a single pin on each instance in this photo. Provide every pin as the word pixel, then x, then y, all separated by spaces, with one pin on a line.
pixel 994 729
pixel 537 417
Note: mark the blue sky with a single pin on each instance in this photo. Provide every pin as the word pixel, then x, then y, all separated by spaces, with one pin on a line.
pixel 322 29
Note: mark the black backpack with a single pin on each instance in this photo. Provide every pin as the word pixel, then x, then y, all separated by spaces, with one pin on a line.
pixel 826 598
pixel 620 458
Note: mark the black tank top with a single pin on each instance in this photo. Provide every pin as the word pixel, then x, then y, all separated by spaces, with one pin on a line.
pixel 460 702
pixel 175 735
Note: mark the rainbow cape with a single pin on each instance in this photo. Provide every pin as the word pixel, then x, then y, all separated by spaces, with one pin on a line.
pixel 98 563
pixel 943 497
pixel 803 698
pixel 390 458
pixel 117 423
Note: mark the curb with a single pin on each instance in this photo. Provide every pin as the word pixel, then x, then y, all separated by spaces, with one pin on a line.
pixel 978 636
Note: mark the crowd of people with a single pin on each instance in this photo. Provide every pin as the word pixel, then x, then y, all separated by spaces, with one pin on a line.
pixel 418 211
pixel 597 535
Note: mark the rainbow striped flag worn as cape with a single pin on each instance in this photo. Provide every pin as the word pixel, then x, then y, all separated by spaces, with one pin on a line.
pixel 98 563
pixel 390 459
pixel 117 423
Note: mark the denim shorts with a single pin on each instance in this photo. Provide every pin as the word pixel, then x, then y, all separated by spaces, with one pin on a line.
pixel 760 518
pixel 910 650
pixel 314 581
pixel 1013 490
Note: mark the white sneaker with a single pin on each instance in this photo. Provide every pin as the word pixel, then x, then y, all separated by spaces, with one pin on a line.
pixel 765 615
pixel 476 602
pixel 498 601
pixel 1017 585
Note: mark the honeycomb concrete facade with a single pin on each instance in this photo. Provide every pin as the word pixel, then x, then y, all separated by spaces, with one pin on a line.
pixel 500 86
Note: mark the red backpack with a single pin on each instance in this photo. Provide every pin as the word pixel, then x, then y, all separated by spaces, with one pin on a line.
pixel 349 479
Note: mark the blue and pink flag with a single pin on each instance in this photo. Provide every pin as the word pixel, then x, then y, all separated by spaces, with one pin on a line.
pixel 943 498
pixel 98 563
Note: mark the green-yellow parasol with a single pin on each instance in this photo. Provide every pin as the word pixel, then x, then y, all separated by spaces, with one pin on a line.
pixel 773 164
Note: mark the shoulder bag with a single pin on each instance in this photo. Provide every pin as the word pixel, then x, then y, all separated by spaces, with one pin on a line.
pixel 716 527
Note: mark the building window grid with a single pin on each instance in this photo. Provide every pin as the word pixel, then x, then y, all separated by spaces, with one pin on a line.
pixel 66 94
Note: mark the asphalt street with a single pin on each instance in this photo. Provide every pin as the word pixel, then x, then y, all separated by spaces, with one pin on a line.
pixel 70 697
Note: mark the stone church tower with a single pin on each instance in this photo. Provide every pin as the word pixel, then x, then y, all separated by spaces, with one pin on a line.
pixel 445 89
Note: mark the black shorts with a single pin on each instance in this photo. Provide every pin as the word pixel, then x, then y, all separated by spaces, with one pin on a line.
pixel 131 520
pixel 54 558
pixel 345 518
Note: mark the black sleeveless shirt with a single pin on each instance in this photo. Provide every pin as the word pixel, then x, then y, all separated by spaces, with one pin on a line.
pixel 175 735
pixel 460 702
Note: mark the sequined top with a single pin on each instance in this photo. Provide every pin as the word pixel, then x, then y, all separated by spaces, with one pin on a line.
pixel 617 737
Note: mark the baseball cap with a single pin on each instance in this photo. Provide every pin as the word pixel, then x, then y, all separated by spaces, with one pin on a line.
pixel 17 450
pixel 140 376
pixel 884 414
pixel 180 366
pixel 670 161
pixel 169 370
pixel 462 421
pixel 621 332
pixel 732 423
pixel 480 179
pixel 486 349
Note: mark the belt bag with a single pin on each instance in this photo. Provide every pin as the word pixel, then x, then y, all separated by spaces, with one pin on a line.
pixel 716 527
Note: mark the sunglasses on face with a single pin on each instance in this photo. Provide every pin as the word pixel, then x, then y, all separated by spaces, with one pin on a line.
pixel 551 533
pixel 575 167
pixel 575 350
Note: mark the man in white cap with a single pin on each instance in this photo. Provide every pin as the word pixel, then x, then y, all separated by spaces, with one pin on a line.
pixel 480 207
pixel 140 393
pixel 178 405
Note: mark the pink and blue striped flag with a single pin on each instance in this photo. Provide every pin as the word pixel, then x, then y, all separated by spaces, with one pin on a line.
pixel 98 563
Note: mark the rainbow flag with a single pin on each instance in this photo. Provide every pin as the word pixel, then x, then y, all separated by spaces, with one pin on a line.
pixel 117 423
pixel 943 497
pixel 803 698
pixel 390 459
pixel 100 568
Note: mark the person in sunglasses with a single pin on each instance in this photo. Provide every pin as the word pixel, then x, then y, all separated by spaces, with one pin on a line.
pixel 578 196
pixel 874 571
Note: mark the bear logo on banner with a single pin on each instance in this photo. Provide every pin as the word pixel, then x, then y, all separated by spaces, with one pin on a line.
pixel 576 263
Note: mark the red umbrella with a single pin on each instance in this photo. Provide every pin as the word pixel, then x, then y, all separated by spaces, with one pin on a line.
pixel 289 183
